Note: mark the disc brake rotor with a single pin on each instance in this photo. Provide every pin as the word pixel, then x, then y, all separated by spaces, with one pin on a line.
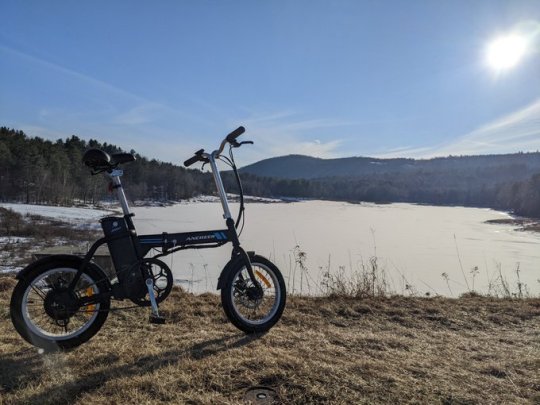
pixel 250 297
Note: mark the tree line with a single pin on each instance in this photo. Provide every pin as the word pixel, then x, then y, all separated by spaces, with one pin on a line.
pixel 520 197
pixel 35 170
pixel 38 171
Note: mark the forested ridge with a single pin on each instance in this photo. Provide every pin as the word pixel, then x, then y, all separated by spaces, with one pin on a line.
pixel 508 182
pixel 34 170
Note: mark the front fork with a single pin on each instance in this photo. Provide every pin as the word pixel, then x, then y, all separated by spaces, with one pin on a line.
pixel 237 250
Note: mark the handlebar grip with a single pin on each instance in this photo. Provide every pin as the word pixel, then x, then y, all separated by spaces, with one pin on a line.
pixel 192 160
pixel 235 134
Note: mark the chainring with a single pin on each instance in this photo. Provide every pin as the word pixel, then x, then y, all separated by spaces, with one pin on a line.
pixel 163 281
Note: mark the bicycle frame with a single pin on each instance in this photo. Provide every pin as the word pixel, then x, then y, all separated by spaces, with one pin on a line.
pixel 252 295
pixel 173 242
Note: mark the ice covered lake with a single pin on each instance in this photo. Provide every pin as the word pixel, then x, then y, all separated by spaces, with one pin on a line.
pixel 414 244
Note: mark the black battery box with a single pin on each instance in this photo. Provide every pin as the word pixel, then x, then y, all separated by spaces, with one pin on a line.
pixel 124 257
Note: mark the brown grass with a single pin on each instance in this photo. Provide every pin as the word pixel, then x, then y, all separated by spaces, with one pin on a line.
pixel 324 350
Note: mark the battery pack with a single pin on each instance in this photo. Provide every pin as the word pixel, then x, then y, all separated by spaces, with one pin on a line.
pixel 124 257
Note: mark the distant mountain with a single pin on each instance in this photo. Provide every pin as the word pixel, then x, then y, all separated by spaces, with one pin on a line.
pixel 307 167
pixel 509 182
pixel 496 168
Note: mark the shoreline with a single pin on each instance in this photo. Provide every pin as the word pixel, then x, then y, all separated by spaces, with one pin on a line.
pixel 522 224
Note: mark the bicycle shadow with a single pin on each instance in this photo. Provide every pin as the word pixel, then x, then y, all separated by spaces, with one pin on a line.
pixel 69 390
pixel 18 368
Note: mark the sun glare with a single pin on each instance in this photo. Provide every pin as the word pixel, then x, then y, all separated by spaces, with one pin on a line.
pixel 505 52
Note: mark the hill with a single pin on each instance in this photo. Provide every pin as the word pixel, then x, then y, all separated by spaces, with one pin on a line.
pixel 509 182
pixel 307 167
pixel 324 350
pixel 509 167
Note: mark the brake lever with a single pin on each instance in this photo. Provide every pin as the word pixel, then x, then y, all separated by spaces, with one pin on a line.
pixel 236 144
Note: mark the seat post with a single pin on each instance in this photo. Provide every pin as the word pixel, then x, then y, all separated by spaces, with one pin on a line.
pixel 117 185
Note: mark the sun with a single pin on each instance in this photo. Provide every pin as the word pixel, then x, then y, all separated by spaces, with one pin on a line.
pixel 505 52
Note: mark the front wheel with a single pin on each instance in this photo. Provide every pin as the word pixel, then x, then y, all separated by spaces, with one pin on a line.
pixel 251 308
pixel 49 315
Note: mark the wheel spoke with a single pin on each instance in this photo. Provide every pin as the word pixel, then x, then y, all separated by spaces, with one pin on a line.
pixel 42 320
pixel 38 291
pixel 247 302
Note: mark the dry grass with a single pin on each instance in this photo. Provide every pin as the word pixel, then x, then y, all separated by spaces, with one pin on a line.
pixel 324 350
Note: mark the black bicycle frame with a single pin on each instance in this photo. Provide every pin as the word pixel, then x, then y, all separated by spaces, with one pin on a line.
pixel 168 243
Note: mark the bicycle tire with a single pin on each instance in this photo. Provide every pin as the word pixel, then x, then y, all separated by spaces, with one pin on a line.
pixel 32 332
pixel 235 298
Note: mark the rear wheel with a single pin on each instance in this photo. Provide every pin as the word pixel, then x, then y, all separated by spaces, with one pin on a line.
pixel 48 315
pixel 252 308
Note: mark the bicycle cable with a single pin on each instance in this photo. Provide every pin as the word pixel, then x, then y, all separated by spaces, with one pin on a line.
pixel 229 161
pixel 241 212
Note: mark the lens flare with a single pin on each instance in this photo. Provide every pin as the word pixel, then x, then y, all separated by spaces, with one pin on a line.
pixel 506 52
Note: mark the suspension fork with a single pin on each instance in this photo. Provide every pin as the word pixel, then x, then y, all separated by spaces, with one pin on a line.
pixel 238 250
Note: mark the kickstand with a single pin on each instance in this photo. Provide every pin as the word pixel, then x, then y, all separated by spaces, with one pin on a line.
pixel 154 316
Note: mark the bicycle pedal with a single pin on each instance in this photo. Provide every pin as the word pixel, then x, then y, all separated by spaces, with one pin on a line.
pixel 157 320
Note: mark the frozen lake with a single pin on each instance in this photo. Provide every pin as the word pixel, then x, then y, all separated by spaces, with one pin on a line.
pixel 414 244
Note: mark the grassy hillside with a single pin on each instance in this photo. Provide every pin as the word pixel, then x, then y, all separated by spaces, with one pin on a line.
pixel 324 350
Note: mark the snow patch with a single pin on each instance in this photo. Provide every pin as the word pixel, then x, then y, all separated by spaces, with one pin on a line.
pixel 68 214
pixel 13 239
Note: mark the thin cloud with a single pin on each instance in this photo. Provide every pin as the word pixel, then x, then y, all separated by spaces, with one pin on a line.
pixel 515 132
pixel 284 133
pixel 404 151
pixel 142 110
pixel 141 114
pixel 88 79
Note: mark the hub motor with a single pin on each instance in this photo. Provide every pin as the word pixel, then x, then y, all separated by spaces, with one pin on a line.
pixel 61 304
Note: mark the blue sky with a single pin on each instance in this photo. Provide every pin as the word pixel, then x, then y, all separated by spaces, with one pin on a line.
pixel 323 78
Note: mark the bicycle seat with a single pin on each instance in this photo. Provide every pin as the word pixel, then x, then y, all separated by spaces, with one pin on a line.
pixel 96 159
pixel 122 158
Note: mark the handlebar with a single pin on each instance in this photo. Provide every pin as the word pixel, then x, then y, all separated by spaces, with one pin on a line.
pixel 194 159
pixel 231 138
pixel 235 134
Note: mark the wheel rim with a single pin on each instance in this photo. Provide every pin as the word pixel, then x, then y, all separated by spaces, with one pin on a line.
pixel 38 317
pixel 247 304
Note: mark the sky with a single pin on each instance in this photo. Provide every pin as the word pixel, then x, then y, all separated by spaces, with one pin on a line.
pixel 322 78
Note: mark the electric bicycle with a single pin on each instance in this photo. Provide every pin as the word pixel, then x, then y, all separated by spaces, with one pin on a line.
pixel 61 301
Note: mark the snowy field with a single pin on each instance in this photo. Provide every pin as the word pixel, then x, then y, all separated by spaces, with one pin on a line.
pixel 414 244
pixel 83 217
